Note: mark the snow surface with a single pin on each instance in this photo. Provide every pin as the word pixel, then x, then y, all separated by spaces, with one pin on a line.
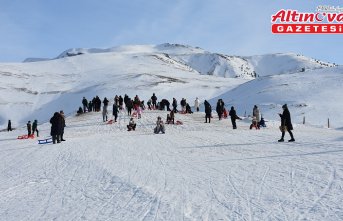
pixel 195 171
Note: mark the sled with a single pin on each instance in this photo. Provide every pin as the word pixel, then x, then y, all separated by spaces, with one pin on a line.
pixel 225 114
pixel 178 122
pixel 45 141
pixel 134 114
pixel 110 122
pixel 26 137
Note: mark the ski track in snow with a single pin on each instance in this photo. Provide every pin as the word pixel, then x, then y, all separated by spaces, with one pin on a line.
pixel 195 171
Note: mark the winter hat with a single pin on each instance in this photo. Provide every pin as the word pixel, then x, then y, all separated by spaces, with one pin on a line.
pixel 284 106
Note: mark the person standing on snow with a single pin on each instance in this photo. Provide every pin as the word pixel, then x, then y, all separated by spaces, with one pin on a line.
pixel 34 128
pixel 154 101
pixel 208 111
pixel 175 105
pixel 234 117
pixel 197 104
pixel 63 124
pixel 115 111
pixel 286 124
pixel 29 128
pixel 85 104
pixel 104 109
pixel 56 127
pixel 256 113
pixel 220 108
pixel 9 126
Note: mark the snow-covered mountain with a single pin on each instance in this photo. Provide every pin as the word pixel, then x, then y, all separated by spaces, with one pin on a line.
pixel 34 90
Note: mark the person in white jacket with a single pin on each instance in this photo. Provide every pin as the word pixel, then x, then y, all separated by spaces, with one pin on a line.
pixel 197 104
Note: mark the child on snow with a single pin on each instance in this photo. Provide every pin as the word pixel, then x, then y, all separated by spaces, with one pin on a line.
pixel 132 125
pixel 159 126
pixel 254 123
pixel 170 117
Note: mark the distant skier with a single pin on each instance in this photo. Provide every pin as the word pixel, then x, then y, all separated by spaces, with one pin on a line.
pixel 208 111
pixel 35 127
pixel 234 117
pixel 9 126
pixel 29 128
pixel 197 104
pixel 159 126
pixel 286 124
pixel 132 125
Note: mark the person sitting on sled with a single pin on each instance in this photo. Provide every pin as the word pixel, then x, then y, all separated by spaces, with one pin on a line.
pixel 170 117
pixel 254 123
pixel 132 125
pixel 262 123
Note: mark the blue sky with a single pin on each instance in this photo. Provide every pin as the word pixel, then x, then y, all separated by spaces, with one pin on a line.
pixel 45 28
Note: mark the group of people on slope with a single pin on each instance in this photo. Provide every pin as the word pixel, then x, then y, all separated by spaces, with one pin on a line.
pixel 220 111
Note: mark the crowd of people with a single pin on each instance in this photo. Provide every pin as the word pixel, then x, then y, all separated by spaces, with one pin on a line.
pixel 135 107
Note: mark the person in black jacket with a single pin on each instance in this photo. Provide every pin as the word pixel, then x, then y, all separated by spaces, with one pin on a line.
pixel 175 105
pixel 154 100
pixel 115 111
pixel 29 128
pixel 56 127
pixel 234 117
pixel 208 111
pixel 34 127
pixel 85 104
pixel 9 126
pixel 286 124
pixel 63 123
pixel 220 108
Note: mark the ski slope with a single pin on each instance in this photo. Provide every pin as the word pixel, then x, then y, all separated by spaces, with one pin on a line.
pixel 195 171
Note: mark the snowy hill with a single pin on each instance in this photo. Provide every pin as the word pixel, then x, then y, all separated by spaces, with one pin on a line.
pixel 35 90
pixel 315 95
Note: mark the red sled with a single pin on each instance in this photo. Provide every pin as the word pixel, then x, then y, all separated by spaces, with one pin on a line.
pixel 134 114
pixel 26 137
pixel 225 114
pixel 110 122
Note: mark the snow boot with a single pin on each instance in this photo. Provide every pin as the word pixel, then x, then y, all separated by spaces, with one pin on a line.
pixel 291 140
pixel 281 140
